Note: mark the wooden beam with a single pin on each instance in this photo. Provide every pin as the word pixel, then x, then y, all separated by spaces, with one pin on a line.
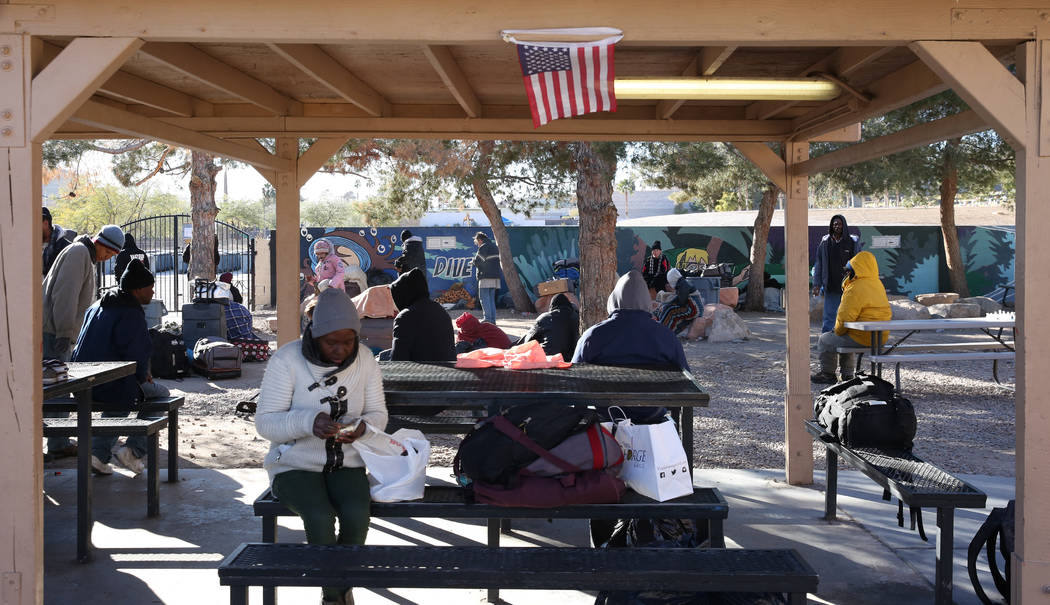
pixel 798 402
pixel 72 77
pixel 666 108
pixel 841 63
pixel 705 63
pixel 766 160
pixel 287 244
pixel 960 124
pixel 447 68
pixel 319 65
pixel 902 87
pixel 97 114
pixel 846 134
pixel 316 156
pixel 982 81
pixel 205 68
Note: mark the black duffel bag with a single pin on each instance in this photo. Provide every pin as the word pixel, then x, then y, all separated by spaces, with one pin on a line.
pixel 866 412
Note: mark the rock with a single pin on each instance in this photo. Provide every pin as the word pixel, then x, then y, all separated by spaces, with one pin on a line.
pixel 272 323
pixel 987 305
pixel 905 308
pixel 699 328
pixel 728 296
pixel 940 298
pixel 727 326
pixel 955 310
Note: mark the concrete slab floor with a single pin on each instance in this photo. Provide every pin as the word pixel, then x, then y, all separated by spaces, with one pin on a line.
pixel 861 558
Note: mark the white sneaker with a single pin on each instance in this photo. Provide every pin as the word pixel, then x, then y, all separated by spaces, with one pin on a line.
pixel 100 467
pixel 130 461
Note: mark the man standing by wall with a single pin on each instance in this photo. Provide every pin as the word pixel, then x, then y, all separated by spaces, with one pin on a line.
pixel 55 240
pixel 834 251
pixel 486 266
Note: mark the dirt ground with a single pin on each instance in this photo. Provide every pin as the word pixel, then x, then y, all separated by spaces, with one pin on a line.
pixel 966 421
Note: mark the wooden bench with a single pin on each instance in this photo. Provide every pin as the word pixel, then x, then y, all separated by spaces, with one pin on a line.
pixel 542 568
pixel 158 405
pixel 67 427
pixel 915 482
pixel 450 502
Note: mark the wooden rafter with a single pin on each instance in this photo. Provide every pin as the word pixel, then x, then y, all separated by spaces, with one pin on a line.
pixel 767 161
pixel 201 66
pixel 100 115
pixel 447 68
pixel 982 81
pixel 313 158
pixel 72 77
pixel 960 124
pixel 705 63
pixel 319 65
pixel 841 63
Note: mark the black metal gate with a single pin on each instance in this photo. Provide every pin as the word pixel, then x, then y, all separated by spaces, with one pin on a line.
pixel 164 238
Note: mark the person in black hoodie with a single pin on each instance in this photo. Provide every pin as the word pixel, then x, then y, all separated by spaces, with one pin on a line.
pixel 413 256
pixel 557 330
pixel 127 253
pixel 422 328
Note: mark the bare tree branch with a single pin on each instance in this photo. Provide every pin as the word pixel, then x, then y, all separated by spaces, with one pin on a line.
pixel 157 168
pixel 132 146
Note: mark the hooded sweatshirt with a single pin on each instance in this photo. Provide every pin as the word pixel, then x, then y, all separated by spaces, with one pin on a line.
pixel 558 329
pixel 630 336
pixel 470 330
pixel 129 252
pixel 414 257
pixel 60 238
pixel 329 267
pixel 863 299
pixel 422 328
pixel 822 266
pixel 69 289
pixel 115 330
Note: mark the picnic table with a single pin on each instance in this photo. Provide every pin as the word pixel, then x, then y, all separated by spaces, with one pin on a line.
pixel 82 377
pixel 894 350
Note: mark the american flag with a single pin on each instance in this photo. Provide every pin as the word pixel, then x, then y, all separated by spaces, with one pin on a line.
pixel 567 79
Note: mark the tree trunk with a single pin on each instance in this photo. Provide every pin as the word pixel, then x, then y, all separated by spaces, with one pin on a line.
pixel 594 191
pixel 755 285
pixel 949 187
pixel 202 215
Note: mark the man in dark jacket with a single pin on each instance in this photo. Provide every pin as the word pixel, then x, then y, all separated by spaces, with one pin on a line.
pixel 557 330
pixel 115 330
pixel 655 269
pixel 833 252
pixel 422 328
pixel 55 239
pixel 130 251
pixel 413 256
pixel 487 267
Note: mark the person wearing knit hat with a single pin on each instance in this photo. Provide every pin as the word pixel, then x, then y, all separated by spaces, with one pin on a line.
pixel 115 330
pixel 413 256
pixel 235 293
pixel 318 395
pixel 110 237
pixel 655 269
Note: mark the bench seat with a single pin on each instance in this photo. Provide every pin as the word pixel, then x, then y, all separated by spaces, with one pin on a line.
pixel 547 568
pixel 915 482
pixel 67 427
pixel 917 357
pixel 949 346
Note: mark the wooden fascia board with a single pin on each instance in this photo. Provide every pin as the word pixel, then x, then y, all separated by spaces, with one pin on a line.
pixel 450 73
pixel 960 124
pixel 72 77
pixel 766 160
pixel 313 158
pixel 982 81
pixel 319 65
pixel 205 68
pixel 100 115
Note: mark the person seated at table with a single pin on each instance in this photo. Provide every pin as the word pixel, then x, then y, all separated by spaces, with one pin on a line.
pixel 115 330
pixel 679 312
pixel 471 333
pixel 235 293
pixel 557 330
pixel 863 299
pixel 314 387
pixel 422 329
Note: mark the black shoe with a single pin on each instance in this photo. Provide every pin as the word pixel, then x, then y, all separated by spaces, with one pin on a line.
pixel 823 378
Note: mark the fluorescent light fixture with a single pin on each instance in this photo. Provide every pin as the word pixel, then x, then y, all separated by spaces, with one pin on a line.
pixel 727 89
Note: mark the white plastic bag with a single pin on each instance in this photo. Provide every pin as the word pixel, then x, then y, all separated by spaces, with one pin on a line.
pixel 655 464
pixel 397 464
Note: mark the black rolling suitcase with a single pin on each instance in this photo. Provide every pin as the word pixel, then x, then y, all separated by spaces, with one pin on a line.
pixel 202 319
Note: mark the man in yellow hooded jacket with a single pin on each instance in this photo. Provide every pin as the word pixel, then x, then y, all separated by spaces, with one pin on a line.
pixel 863 299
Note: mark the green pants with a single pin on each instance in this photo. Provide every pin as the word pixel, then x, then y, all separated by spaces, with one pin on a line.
pixel 319 498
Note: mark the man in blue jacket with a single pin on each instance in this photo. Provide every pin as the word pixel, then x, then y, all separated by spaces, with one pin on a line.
pixel 115 330
pixel 833 252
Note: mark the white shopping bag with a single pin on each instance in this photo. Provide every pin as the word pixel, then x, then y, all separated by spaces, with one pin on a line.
pixel 655 464
pixel 397 464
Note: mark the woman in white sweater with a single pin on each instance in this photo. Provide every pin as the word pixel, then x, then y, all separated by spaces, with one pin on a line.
pixel 318 395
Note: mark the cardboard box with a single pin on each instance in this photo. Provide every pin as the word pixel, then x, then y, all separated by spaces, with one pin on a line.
pixel 553 286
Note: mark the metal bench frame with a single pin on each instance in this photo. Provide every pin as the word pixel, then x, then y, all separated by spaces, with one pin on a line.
pixel 995 356
pixel 545 568
pixel 965 496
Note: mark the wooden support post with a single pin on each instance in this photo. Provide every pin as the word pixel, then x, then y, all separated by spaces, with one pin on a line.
pixel 1031 561
pixel 21 397
pixel 287 244
pixel 798 403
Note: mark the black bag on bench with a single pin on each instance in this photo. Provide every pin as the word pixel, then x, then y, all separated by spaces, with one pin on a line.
pixel 865 412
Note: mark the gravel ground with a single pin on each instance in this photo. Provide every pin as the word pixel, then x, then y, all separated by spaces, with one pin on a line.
pixel 966 421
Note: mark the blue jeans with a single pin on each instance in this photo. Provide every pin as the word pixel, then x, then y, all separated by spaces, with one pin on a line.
pixel 488 303
pixel 102 447
pixel 831 309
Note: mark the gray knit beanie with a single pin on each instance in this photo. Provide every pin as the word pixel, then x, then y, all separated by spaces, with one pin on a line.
pixel 334 311
pixel 111 236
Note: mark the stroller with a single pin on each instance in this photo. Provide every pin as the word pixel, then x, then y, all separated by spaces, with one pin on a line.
pixel 568 268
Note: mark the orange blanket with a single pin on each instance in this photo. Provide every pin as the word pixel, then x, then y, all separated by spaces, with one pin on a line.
pixel 375 302
pixel 528 356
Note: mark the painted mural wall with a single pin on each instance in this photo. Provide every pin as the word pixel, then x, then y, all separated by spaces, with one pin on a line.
pixel 916 265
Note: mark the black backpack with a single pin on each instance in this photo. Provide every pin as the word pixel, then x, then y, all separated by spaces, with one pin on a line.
pixel 487 454
pixel 998 527
pixel 168 359
pixel 866 412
